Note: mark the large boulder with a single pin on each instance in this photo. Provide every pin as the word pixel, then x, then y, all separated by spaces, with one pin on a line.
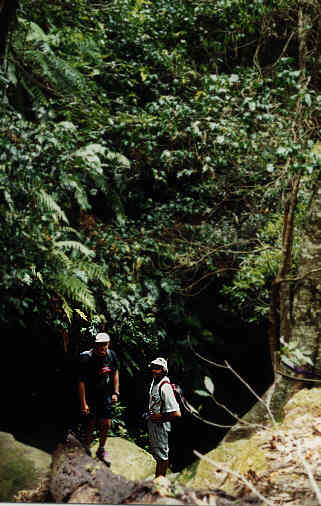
pixel 24 471
pixel 278 461
pixel 128 459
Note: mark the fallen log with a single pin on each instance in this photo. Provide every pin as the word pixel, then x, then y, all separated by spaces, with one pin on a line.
pixel 77 478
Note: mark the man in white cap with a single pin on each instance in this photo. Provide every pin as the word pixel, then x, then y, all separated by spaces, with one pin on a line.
pixel 163 408
pixel 98 389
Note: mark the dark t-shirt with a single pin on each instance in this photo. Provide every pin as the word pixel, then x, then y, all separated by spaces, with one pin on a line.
pixel 98 372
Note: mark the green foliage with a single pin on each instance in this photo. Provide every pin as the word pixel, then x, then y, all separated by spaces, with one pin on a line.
pixel 150 161
pixel 118 426
pixel 209 388
pixel 39 252
pixel 294 354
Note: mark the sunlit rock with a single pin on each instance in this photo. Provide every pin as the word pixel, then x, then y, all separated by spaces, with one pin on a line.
pixel 24 471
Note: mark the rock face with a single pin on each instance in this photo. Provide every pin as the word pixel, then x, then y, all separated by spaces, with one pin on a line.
pixel 277 461
pixel 24 471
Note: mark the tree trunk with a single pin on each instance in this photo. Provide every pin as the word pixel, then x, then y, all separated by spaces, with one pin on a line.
pixel 8 9
pixel 295 310
pixel 305 330
pixel 306 310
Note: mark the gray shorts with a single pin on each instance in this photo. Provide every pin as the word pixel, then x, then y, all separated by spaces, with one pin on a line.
pixel 158 438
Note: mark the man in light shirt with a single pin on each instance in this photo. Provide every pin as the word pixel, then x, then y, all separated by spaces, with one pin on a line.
pixel 163 408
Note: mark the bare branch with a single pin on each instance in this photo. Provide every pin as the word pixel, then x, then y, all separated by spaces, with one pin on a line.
pixel 202 358
pixel 195 414
pixel 253 392
pixel 298 278
pixel 230 368
pixel 284 49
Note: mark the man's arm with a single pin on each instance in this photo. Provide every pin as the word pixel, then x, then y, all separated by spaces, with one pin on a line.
pixel 166 417
pixel 115 395
pixel 171 407
pixel 82 395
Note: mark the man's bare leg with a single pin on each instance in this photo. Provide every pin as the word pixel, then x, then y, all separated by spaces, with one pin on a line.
pixel 161 468
pixel 104 426
pixel 88 430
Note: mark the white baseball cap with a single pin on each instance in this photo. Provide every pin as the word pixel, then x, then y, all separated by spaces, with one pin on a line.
pixel 102 337
pixel 160 361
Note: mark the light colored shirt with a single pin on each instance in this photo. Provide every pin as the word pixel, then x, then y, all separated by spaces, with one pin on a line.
pixel 163 403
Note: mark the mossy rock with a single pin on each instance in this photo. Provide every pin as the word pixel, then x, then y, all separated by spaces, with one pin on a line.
pixel 22 467
pixel 128 459
pixel 249 455
pixel 304 402
pixel 239 456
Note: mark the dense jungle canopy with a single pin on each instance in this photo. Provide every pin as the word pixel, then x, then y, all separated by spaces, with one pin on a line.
pixel 157 163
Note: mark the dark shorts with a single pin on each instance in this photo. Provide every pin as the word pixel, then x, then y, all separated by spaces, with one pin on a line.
pixel 101 407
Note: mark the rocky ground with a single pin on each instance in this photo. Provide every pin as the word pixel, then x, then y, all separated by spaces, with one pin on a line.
pixel 280 463
pixel 277 465
pixel 77 478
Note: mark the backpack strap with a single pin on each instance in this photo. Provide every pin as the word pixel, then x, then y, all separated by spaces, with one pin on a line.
pixel 112 357
pixel 164 382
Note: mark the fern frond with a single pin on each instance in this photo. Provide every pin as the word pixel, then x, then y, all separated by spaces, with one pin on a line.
pixel 79 192
pixel 8 199
pixel 49 203
pixel 33 32
pixel 87 49
pixel 75 245
pixel 93 271
pixel 60 259
pixel 57 70
pixel 42 68
pixel 67 309
pixel 61 73
pixel 81 314
pixel 33 89
pixel 71 287
pixel 66 230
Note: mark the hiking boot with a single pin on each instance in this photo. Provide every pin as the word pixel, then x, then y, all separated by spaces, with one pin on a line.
pixel 103 455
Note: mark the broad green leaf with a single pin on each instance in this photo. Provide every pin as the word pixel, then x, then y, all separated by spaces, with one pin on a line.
pixel 89 154
pixel 202 393
pixel 119 158
pixel 34 32
pixel 209 385
pixel 67 125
